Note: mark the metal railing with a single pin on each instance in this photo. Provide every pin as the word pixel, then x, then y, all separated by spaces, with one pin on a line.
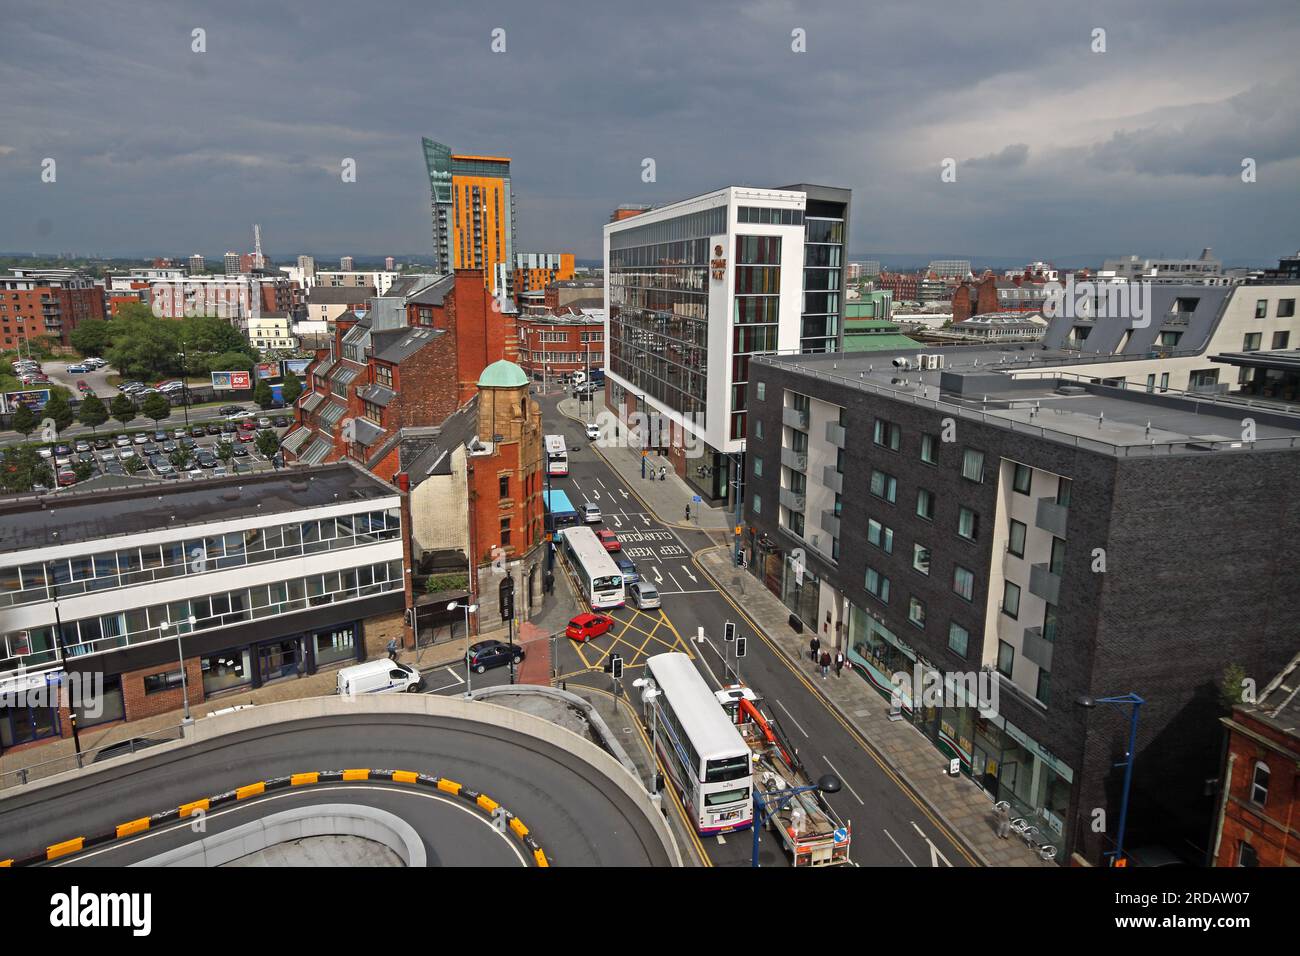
pixel 48 768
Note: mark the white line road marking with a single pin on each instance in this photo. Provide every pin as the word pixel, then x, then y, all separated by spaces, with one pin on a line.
pixel 617 522
pixel 699 634
pixel 646 519
pixel 934 850
pixel 722 839
pixel 453 674
pixel 687 572
pixel 701 659
pixel 791 716
pixel 622 492
pixel 602 484
pixel 846 783
pixel 900 849
pixel 675 581
pixel 595 495
pixel 659 578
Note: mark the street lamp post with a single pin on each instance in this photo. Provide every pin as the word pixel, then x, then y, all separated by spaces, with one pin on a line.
pixel 649 692
pixel 828 783
pixel 469 608
pixel 180 653
pixel 185 386
pixel 1135 702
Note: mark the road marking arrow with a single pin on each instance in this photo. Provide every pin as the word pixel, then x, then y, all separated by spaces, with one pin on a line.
pixel 622 492
pixel 595 494
pixel 646 519
pixel 659 578
pixel 617 523
pixel 687 572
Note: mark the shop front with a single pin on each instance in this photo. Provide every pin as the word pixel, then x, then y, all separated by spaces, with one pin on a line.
pixel 286 657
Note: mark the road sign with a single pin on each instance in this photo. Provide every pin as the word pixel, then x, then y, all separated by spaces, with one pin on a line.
pixel 729 631
pixel 696 499
pixel 841 834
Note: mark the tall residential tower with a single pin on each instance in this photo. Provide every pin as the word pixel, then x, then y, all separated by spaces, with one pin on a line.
pixel 472 206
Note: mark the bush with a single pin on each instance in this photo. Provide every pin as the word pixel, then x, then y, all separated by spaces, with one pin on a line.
pixel 447 581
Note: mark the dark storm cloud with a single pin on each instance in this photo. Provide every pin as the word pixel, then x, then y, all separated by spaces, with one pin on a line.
pixel 160 149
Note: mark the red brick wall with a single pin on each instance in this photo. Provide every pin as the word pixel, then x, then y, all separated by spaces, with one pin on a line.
pixel 138 704
pixel 1264 828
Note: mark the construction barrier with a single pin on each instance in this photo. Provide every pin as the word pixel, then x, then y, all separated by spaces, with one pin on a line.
pixel 499 815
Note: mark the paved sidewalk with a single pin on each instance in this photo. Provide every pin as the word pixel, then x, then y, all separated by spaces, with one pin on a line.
pixel 667 499
pixel 958 801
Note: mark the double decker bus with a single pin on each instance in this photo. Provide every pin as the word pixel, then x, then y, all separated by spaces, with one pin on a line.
pixel 707 758
pixel 557 456
pixel 598 575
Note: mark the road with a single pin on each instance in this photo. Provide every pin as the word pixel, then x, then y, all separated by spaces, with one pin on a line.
pixel 891 827
pixel 579 817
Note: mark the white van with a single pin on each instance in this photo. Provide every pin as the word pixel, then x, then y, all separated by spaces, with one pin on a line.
pixel 378 677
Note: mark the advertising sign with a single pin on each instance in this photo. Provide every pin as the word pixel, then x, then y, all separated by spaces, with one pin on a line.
pixel 231 380
pixel 34 399
pixel 298 366
pixel 268 370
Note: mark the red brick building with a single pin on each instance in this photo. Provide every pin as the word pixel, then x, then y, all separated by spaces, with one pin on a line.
pixel 46 303
pixel 556 346
pixel 906 286
pixel 1259 817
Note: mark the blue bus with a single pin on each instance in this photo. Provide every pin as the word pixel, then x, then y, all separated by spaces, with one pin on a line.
pixel 559 510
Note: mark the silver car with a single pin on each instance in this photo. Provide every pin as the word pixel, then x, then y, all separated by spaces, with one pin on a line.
pixel 590 513
pixel 644 596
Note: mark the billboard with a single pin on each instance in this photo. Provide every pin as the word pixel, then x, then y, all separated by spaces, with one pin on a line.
pixel 231 380
pixel 298 366
pixel 268 370
pixel 34 399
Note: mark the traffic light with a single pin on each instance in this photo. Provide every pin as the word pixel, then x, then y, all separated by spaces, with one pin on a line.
pixel 616 667
pixel 729 632
pixel 740 647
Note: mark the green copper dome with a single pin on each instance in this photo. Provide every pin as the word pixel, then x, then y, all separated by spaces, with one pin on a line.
pixel 502 374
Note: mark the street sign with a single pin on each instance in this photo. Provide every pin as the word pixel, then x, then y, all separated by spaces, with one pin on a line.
pixel 954 767
pixel 729 631
pixel 696 499
pixel 841 834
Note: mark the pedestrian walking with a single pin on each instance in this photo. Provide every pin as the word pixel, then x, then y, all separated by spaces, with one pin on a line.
pixel 392 649
pixel 1003 812
pixel 814 646
pixel 825 662
pixel 688 512
pixel 548 582
pixel 663 473
pixel 839 662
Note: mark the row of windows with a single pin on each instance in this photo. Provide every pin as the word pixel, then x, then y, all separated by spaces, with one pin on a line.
pixel 772 217
pixel 125 567
pixel 1285 308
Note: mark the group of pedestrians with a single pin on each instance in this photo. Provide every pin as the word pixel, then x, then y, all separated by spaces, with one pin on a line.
pixel 823 658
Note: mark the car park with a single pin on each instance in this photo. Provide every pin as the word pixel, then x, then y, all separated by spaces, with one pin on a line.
pixel 45 452
pixel 205 459
pixel 487 654
pixel 241 451
pixel 86 456
pixel 129 387
pixel 590 513
pixel 219 471
pixel 188 442
pixel 584 627
pixel 163 467
pixel 62 450
pixel 160 436
pixel 630 574
pixel 167 447
pixel 195 473
pixel 227 428
pixel 126 454
pixel 198 431
pixel 77 369
pixel 643 596
pixel 179 433
pixel 67 477
pixel 609 539
pixel 281 422
pixel 113 467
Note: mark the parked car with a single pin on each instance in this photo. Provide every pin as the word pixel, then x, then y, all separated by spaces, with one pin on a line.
pixel 241 451
pixel 67 477
pixel 82 446
pixel 593 431
pixel 179 433
pixel 264 422
pixel 198 431
pixel 231 410
pixel 113 467
pixel 83 386
pixel 213 428
pixel 609 539
pixel 163 467
pixel 86 456
pixel 45 452
pixel 280 421
pixel 77 370
pixel 141 438
pixel 188 442
pixel 102 443
pixel 160 436
pixel 630 574
pixel 62 450
pixel 586 626
pixel 377 677
pixel 227 428
pixel 590 513
pixel 487 654
pixel 644 596
pixel 123 441
pixel 126 454
pixel 205 459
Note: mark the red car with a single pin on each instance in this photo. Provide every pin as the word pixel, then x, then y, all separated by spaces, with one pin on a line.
pixel 586 626
pixel 609 539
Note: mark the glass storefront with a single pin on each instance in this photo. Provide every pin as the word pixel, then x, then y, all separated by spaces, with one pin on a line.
pixel 334 646
pixel 226 669
pixel 801 593
pixel 279 660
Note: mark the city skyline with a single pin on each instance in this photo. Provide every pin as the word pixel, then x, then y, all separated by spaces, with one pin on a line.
pixel 1055 154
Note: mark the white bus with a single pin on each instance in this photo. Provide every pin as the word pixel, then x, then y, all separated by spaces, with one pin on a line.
pixel 601 580
pixel 707 759
pixel 557 456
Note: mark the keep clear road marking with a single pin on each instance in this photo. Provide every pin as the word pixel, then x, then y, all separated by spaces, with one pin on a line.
pixel 791 716
pixel 900 849
pixel 934 850
pixel 595 495
pixel 846 783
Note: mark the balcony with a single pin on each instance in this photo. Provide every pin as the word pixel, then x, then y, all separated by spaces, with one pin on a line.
pixel 1177 318
pixel 1037 648
pixel 833 479
pixel 1052 517
pixel 835 434
pixel 795 460
pixel 1045 584
pixel 794 418
pixel 792 499
pixel 831 522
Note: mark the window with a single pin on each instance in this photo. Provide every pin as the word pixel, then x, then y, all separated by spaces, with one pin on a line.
pixel 384 375
pixel 1280 339
pixel 929 450
pixel 878 585
pixel 958 639
pixel 157 683
pixel 758 467
pixel 972 465
pixel 1151 382
pixel 758 428
pixel 757 504
pixel 963 583
pixel 1022 479
pixel 760 390
pixel 887 434
pixel 1164 382
pixel 1043 693
pixel 968 524
pixel 1285 308
pixel 1251 344
pixel 1246 855
pixel 921 558
pixel 925 504
pixel 884 486
pixel 1063 492
pixel 1259 783
pixel 1016 538
pixel 916 612
pixel 1006 658
pixel 1011 600
pixel 880 536
pixel 1057 565
pixel 505 532
pixel 503 486
pixel 1261 308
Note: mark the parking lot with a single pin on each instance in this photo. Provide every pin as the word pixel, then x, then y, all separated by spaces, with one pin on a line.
pixel 110 452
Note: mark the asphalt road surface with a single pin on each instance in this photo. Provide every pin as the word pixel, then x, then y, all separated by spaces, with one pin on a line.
pixel 576 814
pixel 891 827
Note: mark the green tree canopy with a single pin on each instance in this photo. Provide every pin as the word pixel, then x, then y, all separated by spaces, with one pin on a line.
pixel 268 443
pixel 21 467
pixel 59 411
pixel 92 412
pixel 291 388
pixel 263 395
pixel 156 407
pixel 92 337
pixel 24 421
pixel 122 408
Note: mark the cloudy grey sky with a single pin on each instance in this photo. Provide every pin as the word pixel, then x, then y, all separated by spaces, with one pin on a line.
pixel 1061 152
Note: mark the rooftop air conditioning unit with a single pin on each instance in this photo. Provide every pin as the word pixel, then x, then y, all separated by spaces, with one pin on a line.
pixel 931 361
pixel 902 363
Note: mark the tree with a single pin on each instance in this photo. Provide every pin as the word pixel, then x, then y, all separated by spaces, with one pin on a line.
pixel 59 411
pixel 21 468
pixel 122 408
pixel 226 452
pixel 84 470
pixel 180 458
pixel 268 443
pixel 223 362
pixel 25 421
pixel 291 388
pixel 263 395
pixel 133 464
pixel 92 337
pixel 92 412
pixel 157 407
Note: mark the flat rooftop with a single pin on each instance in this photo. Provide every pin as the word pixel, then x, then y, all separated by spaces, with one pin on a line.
pixel 67 516
pixel 975 383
